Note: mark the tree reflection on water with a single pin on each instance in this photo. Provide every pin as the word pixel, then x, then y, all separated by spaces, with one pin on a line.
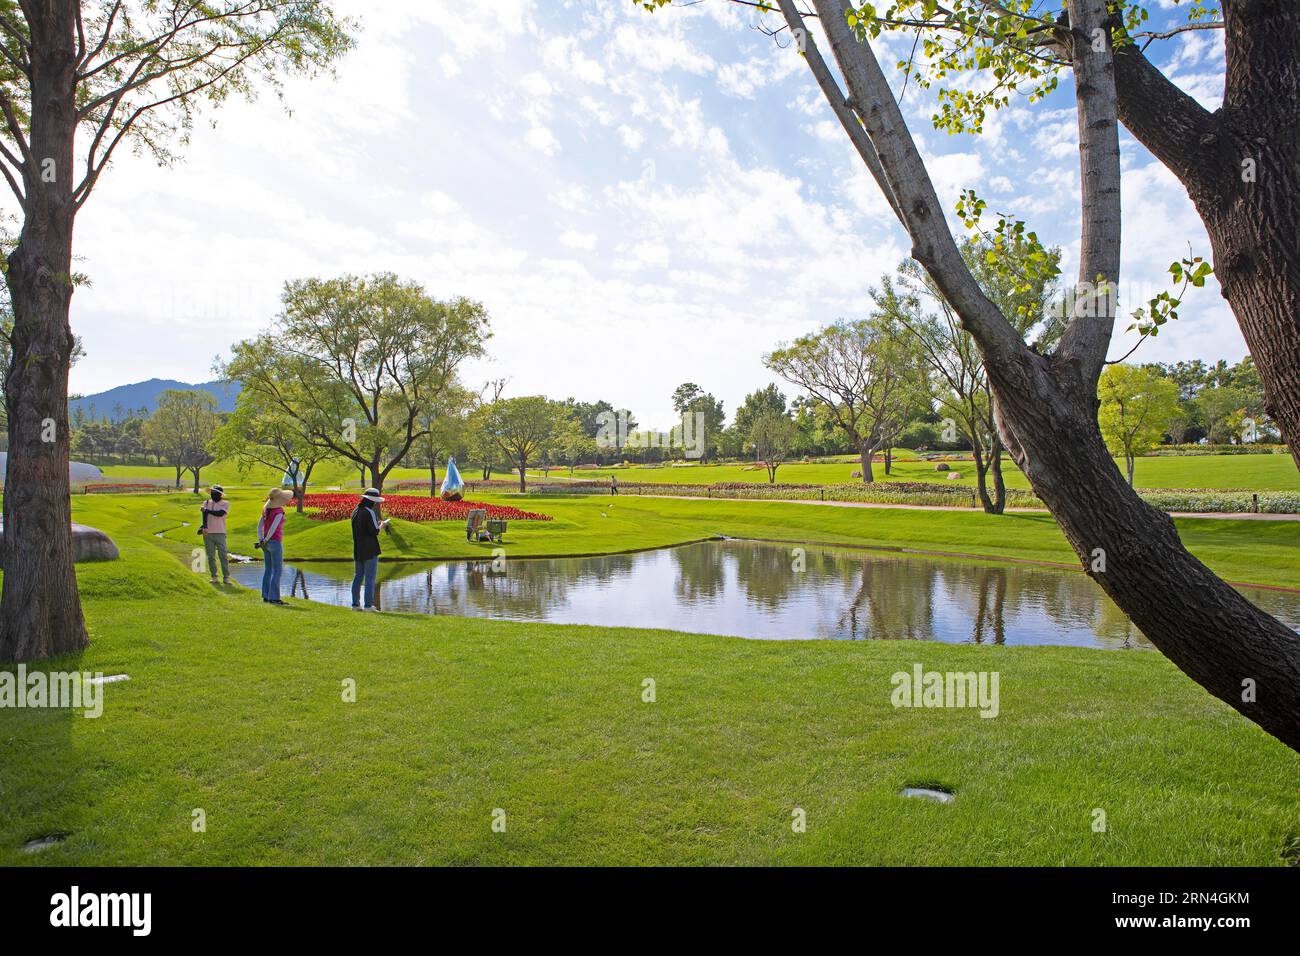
pixel 764 590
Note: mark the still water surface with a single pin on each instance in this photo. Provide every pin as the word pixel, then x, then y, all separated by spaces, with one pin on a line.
pixel 756 590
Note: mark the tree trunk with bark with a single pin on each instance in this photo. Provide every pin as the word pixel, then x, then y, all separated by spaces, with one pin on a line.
pixel 999 485
pixel 981 478
pixel 41 608
pixel 1205 626
pixel 864 456
pixel 1241 168
pixel 1046 405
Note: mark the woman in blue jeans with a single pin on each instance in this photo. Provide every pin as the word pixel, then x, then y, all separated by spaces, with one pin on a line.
pixel 366 525
pixel 270 538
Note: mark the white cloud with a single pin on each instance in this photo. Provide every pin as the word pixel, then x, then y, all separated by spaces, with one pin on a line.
pixel 578 240
pixel 543 140
pixel 632 137
pixel 620 201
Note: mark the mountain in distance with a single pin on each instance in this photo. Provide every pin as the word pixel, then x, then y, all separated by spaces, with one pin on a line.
pixel 146 394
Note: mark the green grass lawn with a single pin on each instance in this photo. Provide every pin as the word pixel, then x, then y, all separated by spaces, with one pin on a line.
pixel 1258 552
pixel 236 708
pixel 1247 472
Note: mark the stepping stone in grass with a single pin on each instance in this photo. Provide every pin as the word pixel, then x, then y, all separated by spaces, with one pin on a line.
pixel 38 844
pixel 926 793
pixel 112 679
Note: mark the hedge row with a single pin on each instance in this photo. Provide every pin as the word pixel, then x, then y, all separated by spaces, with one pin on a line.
pixel 1177 451
pixel 1200 500
pixel 1209 501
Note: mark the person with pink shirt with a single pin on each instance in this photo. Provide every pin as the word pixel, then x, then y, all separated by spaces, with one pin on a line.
pixel 270 539
pixel 213 529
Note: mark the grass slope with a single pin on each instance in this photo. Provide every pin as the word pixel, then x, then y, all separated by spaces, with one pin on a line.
pixel 1259 552
pixel 236 708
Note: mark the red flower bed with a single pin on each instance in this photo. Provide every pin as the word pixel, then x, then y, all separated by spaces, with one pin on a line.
pixel 121 489
pixel 339 507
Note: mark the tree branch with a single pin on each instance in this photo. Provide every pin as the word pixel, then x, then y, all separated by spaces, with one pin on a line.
pixel 1172 125
pixel 839 105
pixel 909 180
pixel 1087 337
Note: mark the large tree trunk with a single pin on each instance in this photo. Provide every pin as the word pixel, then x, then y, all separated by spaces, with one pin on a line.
pixel 864 456
pixel 523 482
pixel 1257 260
pixel 999 485
pixel 1241 168
pixel 1046 406
pixel 40 608
pixel 1205 626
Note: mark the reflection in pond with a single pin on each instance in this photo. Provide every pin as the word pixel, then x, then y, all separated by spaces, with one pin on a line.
pixel 760 590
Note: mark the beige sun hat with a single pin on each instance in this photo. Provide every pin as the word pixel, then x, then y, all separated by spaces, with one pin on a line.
pixel 278 497
pixel 372 494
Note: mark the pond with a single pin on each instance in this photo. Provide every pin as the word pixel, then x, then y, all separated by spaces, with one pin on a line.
pixel 760 590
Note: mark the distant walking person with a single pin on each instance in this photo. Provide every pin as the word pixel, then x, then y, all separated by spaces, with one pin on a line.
pixel 270 538
pixel 213 529
pixel 366 526
pixel 613 484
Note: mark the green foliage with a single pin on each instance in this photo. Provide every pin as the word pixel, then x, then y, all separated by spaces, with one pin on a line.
pixel 574 443
pixel 1013 48
pixel 764 400
pixel 360 363
pixel 1012 259
pixel 523 429
pixel 181 429
pixel 147 69
pixel 865 373
pixel 1191 271
pixel 1223 407
pixel 772 434
pixel 1137 405
pixel 261 432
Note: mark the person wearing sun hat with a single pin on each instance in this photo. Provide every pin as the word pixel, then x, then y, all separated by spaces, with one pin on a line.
pixel 213 529
pixel 366 525
pixel 270 538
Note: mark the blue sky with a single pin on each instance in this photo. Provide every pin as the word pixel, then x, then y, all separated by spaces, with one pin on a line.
pixel 639 200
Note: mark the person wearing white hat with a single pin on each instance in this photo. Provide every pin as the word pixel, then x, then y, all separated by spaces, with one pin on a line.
pixel 366 525
pixel 213 529
pixel 270 538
